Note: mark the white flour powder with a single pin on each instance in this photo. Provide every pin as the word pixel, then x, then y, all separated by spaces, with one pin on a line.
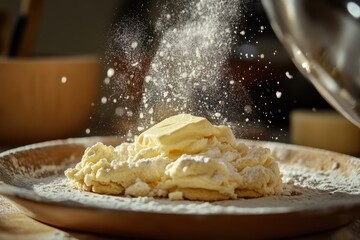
pixel 337 185
pixel 188 72
pixel 312 190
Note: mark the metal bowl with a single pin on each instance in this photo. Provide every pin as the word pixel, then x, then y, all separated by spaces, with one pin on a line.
pixel 323 39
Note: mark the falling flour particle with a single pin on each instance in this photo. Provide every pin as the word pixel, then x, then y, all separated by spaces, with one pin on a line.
pixel 119 111
pixel 104 100
pixel 147 79
pixel 107 80
pixel 63 79
pixel 278 94
pixel 247 109
pixel 87 131
pixel 110 72
pixel 288 75
pixel 134 45
pixel 129 113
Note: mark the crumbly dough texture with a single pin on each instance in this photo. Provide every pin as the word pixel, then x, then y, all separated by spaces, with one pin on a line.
pixel 182 157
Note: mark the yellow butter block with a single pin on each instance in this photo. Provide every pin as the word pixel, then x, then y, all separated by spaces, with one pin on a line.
pixel 183 133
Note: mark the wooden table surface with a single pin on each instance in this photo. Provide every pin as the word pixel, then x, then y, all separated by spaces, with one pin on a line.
pixel 15 226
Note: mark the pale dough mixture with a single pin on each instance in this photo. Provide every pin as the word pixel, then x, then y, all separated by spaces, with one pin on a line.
pixel 182 157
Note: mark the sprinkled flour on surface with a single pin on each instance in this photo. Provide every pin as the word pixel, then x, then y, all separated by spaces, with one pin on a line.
pixel 319 179
pixel 313 190
pixel 32 172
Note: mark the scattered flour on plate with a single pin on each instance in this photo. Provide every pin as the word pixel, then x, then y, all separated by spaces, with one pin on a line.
pixel 339 186
pixel 313 190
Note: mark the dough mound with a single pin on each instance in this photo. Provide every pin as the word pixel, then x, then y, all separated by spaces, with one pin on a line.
pixel 182 157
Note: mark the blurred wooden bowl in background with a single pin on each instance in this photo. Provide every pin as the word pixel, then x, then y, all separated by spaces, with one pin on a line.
pixel 46 98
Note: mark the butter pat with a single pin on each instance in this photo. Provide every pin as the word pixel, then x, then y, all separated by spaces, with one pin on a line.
pixel 182 157
pixel 183 134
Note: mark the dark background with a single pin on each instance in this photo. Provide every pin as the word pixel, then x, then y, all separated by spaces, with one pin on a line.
pixel 84 27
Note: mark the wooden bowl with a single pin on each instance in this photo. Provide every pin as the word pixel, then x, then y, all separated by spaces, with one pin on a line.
pixel 46 98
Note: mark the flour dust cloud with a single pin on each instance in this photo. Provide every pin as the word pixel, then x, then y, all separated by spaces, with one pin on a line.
pixel 183 66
